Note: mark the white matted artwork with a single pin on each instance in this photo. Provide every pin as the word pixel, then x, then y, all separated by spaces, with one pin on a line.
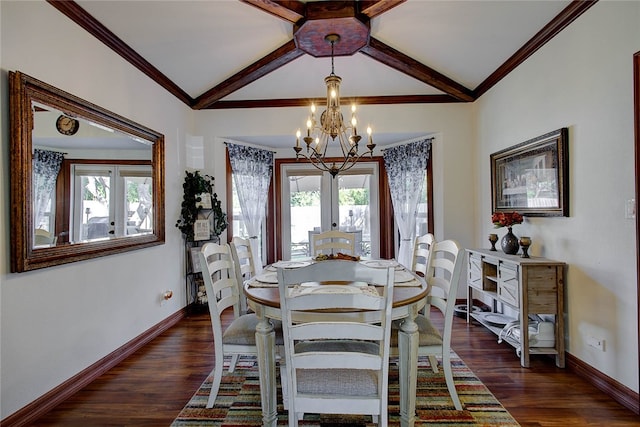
pixel 195 260
pixel 201 230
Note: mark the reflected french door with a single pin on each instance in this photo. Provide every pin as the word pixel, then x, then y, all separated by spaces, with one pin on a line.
pixel 313 201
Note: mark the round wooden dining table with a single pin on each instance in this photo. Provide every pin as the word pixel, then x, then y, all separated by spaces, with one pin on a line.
pixel 407 302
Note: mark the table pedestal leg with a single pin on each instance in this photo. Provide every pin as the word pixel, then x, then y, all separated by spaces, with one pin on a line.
pixel 265 342
pixel 408 366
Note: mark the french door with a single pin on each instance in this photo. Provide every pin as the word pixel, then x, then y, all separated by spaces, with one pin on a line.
pixel 313 201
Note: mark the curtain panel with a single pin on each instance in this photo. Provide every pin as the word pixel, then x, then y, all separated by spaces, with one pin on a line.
pixel 252 169
pixel 406 167
pixel 46 166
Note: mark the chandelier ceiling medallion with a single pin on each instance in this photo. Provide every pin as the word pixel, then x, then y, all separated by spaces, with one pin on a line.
pixel 331 127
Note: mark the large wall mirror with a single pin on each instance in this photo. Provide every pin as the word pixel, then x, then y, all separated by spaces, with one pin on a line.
pixel 85 182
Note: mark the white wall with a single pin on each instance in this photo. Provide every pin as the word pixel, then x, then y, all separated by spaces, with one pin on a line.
pixel 57 321
pixel 452 149
pixel 583 80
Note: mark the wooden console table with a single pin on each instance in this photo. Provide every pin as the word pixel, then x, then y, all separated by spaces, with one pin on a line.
pixel 528 285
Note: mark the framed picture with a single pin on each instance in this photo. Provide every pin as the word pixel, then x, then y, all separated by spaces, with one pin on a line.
pixel 201 230
pixel 195 259
pixel 532 177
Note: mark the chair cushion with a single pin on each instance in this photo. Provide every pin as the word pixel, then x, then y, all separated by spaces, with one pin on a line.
pixel 346 382
pixel 429 334
pixel 242 331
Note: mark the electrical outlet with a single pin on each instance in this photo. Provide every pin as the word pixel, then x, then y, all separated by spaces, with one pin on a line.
pixel 630 209
pixel 596 343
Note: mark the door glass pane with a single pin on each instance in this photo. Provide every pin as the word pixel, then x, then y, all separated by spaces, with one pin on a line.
pixel 354 213
pixel 96 193
pixel 304 202
pixel 138 205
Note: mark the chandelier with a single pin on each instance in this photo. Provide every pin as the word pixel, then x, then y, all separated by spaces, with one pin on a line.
pixel 332 127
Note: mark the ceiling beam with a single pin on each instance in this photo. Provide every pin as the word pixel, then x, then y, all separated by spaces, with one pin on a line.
pixel 81 17
pixel 289 10
pixel 409 66
pixel 373 8
pixel 305 102
pixel 557 24
pixel 272 61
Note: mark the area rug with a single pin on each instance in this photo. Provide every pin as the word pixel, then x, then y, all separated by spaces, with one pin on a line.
pixel 238 401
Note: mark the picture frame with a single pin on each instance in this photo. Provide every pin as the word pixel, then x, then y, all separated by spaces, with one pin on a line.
pixel 195 259
pixel 531 178
pixel 201 230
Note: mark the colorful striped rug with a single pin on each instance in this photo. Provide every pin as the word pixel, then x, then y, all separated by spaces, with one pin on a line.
pixel 238 401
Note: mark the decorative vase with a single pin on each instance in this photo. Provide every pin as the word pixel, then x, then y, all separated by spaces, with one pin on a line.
pixel 493 238
pixel 525 242
pixel 509 243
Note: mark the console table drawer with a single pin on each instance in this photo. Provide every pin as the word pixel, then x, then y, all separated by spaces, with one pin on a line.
pixel 508 288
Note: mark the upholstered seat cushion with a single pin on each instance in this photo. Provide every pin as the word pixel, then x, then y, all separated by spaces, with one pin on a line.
pixel 429 334
pixel 346 382
pixel 242 331
pixel 342 382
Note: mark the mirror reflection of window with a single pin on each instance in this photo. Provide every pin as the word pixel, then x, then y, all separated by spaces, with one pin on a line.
pixel 111 201
pixel 103 200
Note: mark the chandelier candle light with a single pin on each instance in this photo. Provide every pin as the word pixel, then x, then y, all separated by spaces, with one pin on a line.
pixel 332 126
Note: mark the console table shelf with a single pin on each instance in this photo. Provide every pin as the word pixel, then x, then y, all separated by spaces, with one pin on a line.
pixel 527 285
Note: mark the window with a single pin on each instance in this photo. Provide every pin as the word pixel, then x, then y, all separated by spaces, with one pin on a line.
pixel 110 201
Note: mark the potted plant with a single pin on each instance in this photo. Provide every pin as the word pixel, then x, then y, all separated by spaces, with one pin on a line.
pixel 197 187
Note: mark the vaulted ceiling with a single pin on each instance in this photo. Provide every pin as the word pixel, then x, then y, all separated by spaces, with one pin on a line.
pixel 230 54
pixel 219 54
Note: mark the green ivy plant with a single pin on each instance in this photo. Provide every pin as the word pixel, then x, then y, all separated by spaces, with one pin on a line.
pixel 195 185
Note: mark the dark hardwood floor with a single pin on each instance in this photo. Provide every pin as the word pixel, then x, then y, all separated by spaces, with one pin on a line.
pixel 154 384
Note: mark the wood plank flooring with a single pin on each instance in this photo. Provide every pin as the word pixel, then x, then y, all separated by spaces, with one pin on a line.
pixel 152 386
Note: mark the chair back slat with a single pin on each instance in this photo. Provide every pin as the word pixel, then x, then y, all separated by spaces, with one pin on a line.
pixel 243 264
pixel 421 250
pixel 332 242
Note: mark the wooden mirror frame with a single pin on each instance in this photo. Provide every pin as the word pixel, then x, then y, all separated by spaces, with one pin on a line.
pixel 23 92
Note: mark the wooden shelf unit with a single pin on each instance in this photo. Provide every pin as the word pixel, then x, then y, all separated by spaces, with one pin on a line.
pixel 528 285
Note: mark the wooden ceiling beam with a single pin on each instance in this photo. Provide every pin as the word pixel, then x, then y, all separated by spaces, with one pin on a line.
pixel 289 10
pixel 272 61
pixel 373 8
pixel 305 102
pixel 557 24
pixel 409 66
pixel 81 17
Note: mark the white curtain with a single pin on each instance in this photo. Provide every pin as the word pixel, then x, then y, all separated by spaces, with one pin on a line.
pixel 407 170
pixel 252 169
pixel 46 166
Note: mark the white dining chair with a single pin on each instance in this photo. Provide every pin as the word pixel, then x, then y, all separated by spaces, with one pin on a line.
pixel 421 249
pixel 336 363
pixel 243 263
pixel 332 242
pixel 419 264
pixel 443 274
pixel 222 293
